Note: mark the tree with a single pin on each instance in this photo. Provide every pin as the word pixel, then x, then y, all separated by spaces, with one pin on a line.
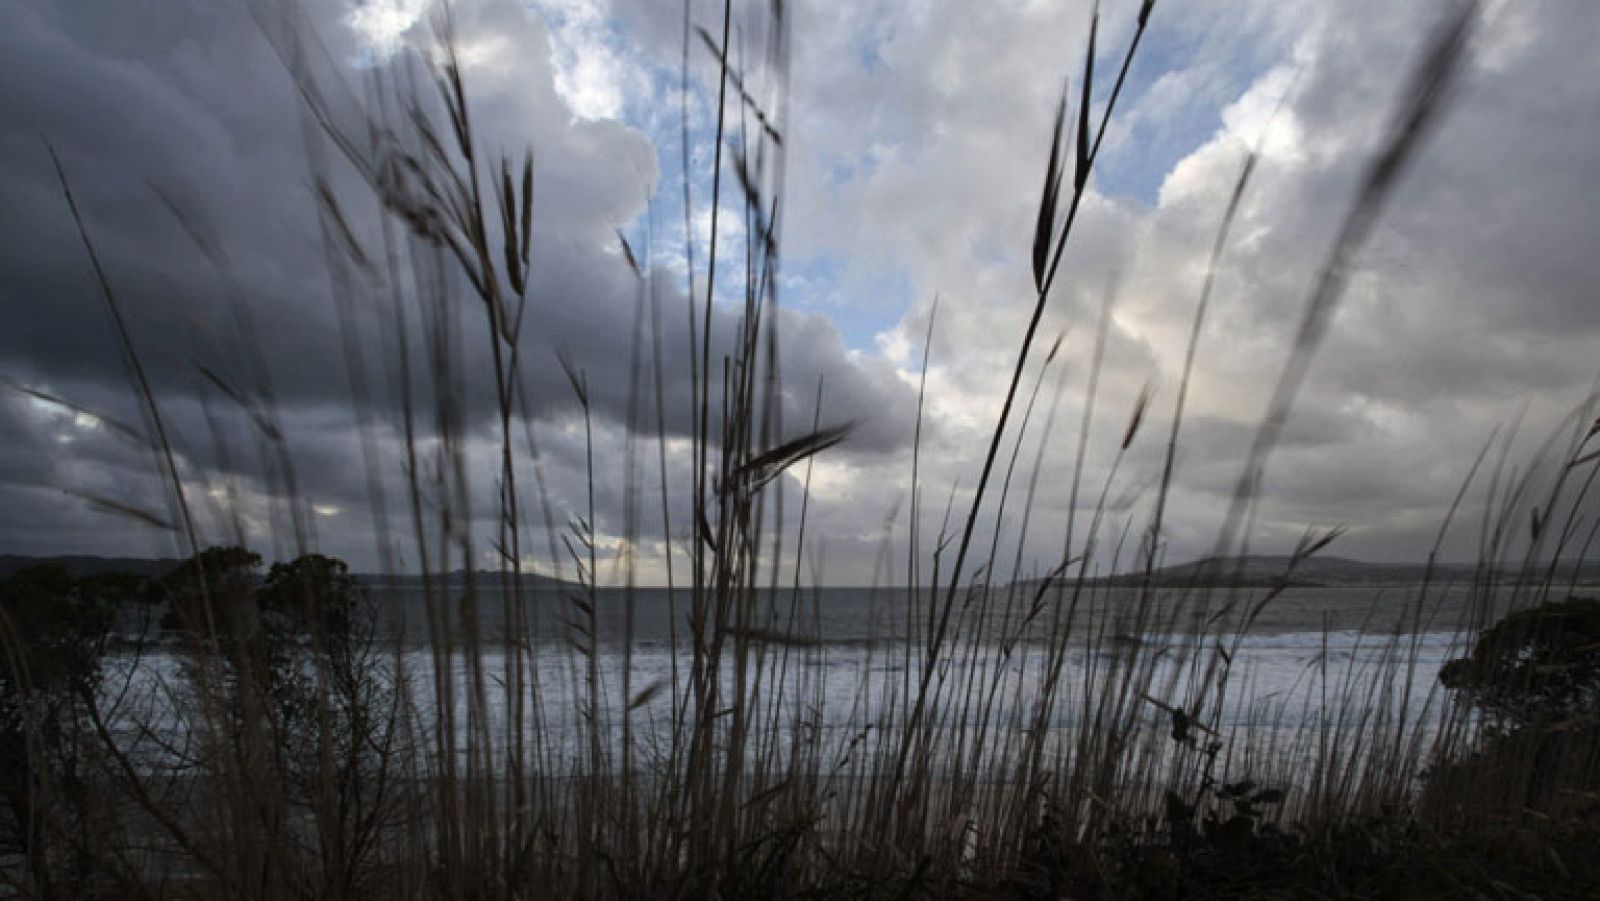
pixel 292 678
pixel 315 622
pixel 210 592
pixel 54 631
pixel 1535 677
pixel 275 636
pixel 335 699
pixel 1541 664
pixel 312 597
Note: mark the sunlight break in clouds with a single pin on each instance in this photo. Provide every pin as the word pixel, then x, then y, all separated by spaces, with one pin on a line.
pixel 591 76
pixel 383 24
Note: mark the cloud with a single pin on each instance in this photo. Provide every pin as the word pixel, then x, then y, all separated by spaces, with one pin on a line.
pixel 194 110
pixel 915 145
pixel 1469 305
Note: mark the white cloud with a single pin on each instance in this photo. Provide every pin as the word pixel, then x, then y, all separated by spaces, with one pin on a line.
pixel 942 133
pixel 917 142
pixel 591 75
pixel 383 24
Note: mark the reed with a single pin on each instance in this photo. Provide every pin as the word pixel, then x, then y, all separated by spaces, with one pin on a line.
pixel 1022 734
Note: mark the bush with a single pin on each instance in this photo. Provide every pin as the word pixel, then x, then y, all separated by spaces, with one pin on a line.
pixel 55 629
pixel 1535 677
pixel 1536 665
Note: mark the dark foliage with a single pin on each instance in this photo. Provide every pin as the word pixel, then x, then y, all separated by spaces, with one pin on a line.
pixel 1535 676
pixel 1541 664
pixel 311 597
pixel 209 594
pixel 54 631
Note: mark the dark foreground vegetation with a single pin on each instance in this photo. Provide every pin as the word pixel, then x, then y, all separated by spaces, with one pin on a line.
pixel 286 752
pixel 290 711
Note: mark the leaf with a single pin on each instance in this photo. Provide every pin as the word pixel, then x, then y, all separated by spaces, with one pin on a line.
pixel 347 235
pixel 767 466
pixel 1081 176
pixel 769 793
pixel 739 88
pixel 707 534
pixel 1268 796
pixel 1055 347
pixel 575 376
pixel 222 385
pixel 111 506
pixel 627 253
pixel 516 267
pixel 527 207
pixel 579 602
pixel 643 695
pixel 1311 543
pixel 1044 228
pixel 1139 407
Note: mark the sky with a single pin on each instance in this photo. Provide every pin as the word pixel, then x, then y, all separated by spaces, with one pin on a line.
pixel 915 138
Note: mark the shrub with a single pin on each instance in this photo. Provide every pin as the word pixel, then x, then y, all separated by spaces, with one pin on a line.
pixel 1535 677
pixel 1538 664
pixel 54 630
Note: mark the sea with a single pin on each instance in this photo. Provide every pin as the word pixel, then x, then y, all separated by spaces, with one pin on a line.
pixel 1258 664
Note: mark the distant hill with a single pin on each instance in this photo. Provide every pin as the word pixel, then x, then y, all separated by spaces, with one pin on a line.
pixel 1263 568
pixel 87 565
pixel 1266 569
pixel 1257 569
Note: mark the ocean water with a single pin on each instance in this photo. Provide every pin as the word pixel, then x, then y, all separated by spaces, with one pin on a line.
pixel 836 664
pixel 889 615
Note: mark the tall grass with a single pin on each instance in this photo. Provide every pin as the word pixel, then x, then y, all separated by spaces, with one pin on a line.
pixel 1017 736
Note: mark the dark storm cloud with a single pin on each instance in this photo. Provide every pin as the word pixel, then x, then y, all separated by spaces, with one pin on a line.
pixel 917 144
pixel 188 105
